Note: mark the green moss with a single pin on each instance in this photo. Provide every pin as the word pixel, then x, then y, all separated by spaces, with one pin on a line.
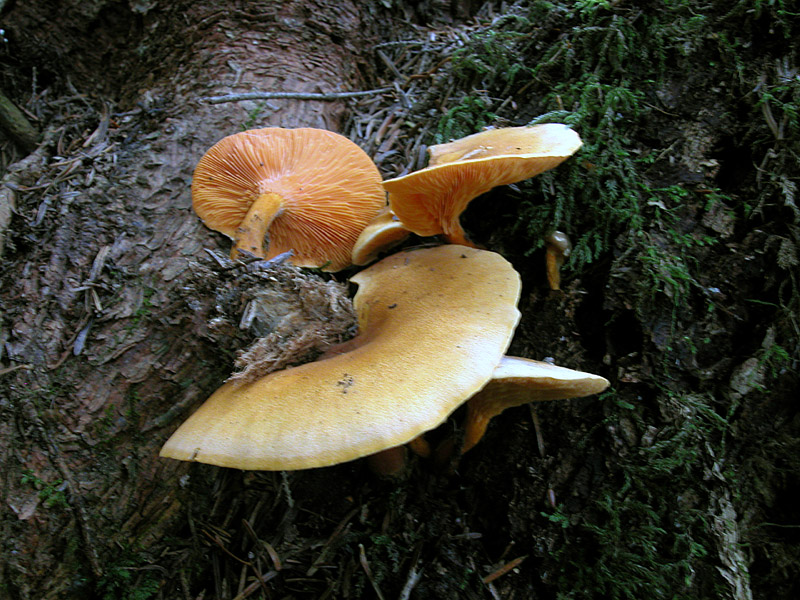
pixel 386 555
pixel 598 193
pixel 50 493
pixel 129 576
pixel 469 116
pixel 598 66
pixel 128 582
pixel 254 116
pixel 776 358
pixel 637 541
pixel 603 68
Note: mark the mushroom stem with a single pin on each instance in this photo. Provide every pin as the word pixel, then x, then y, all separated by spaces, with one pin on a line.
pixel 558 248
pixel 392 461
pixel 451 226
pixel 253 229
pixel 553 262
pixel 481 409
pixel 389 462
pixel 420 446
pixel 459 237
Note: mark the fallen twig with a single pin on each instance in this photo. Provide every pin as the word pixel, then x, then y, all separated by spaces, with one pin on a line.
pixel 538 430
pixel 414 575
pixel 292 96
pixel 256 584
pixel 13 122
pixel 504 569
pixel 365 565
pixel 27 367
pixel 327 545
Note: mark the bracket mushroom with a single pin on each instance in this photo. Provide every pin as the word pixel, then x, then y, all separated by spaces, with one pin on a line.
pixel 311 191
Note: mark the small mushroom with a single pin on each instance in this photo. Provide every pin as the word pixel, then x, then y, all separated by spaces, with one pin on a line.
pixel 383 233
pixel 430 201
pixel 312 191
pixel 518 381
pixel 433 325
pixel 558 247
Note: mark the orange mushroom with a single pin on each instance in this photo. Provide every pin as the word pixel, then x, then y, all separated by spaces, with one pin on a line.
pixel 311 191
pixel 558 248
pixel 518 381
pixel 431 200
pixel 381 234
pixel 433 325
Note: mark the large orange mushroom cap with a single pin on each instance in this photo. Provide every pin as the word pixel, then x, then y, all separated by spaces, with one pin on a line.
pixel 433 325
pixel 431 200
pixel 311 191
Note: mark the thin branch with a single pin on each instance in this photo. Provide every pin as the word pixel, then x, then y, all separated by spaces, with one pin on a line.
pixel 292 96
pixel 368 571
pixel 504 569
pixel 13 122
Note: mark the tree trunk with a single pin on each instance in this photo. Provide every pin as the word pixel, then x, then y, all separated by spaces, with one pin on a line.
pixel 681 289
pixel 105 357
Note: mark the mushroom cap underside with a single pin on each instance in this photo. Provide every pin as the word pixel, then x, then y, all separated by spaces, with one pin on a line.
pixel 329 187
pixel 522 380
pixel 430 201
pixel 433 325
pixel 518 381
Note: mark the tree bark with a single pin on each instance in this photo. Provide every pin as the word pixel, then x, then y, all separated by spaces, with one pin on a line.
pixel 102 355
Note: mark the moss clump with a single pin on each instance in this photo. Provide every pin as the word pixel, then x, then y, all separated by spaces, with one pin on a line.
pixel 648 531
pixel 608 70
pixel 675 103
pixel 130 579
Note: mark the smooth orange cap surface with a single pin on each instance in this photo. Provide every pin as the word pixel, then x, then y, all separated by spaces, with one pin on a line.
pixel 433 325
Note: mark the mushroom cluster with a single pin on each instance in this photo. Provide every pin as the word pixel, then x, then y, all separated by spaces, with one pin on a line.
pixel 434 323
